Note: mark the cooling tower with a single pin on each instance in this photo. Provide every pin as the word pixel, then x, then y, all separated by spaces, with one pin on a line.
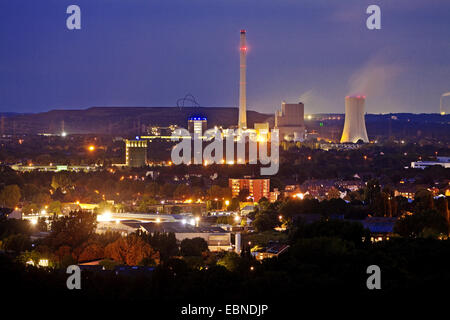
pixel 355 125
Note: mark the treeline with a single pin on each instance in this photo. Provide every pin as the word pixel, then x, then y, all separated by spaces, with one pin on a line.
pixel 326 260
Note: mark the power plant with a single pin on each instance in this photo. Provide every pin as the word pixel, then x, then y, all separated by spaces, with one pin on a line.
pixel 290 121
pixel 242 83
pixel 354 125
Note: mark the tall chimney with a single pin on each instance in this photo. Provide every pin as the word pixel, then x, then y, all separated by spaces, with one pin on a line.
pixel 242 84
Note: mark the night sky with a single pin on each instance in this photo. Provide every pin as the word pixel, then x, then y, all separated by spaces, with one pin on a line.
pixel 152 52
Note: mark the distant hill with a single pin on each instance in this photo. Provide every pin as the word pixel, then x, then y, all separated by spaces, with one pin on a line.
pixel 9 114
pixel 123 120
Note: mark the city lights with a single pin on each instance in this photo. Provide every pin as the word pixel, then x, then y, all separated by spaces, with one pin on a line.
pixel 299 196
pixel 214 208
pixel 105 217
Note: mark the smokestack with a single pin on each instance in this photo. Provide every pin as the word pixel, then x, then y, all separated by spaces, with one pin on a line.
pixel 242 83
pixel 355 124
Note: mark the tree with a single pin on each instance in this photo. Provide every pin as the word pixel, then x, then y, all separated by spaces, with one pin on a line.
pixel 267 217
pixel 234 205
pixel 243 195
pixel 73 229
pixel 263 222
pixel 61 181
pixel 193 247
pixel 231 261
pixel 333 193
pixel 54 207
pixel 182 192
pixel 10 196
pixel 91 252
pixel 423 200
pixel 131 250
pixel 215 192
pixel 30 208
pixel 417 224
pixel 345 230
pixel 167 190
pixel 165 243
pixel 371 191
pixel 17 243
pixel 41 199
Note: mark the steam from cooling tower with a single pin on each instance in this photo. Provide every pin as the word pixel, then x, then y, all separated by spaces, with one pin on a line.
pixel 355 124
pixel 441 109
pixel 374 77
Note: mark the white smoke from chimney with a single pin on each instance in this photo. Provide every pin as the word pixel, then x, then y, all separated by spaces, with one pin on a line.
pixel 441 108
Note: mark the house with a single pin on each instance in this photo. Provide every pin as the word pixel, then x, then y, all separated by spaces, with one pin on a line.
pixel 217 238
pixel 272 251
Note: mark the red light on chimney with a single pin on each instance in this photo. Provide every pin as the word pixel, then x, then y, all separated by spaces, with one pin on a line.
pixel 243 31
pixel 244 48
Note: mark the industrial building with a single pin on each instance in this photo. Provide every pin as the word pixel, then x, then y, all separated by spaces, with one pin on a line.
pixel 440 161
pixel 290 121
pixel 136 153
pixel 355 124
pixel 197 124
pixel 257 188
pixel 262 129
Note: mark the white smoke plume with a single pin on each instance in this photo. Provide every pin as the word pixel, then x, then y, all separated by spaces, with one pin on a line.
pixel 373 79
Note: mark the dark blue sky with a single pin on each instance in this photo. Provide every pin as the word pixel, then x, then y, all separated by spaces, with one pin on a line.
pixel 152 52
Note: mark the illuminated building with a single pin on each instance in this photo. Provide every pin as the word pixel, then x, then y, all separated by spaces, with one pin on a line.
pixel 257 188
pixel 441 161
pixel 290 122
pixel 54 168
pixel 135 153
pixel 354 125
pixel 270 252
pixel 262 129
pixel 197 125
